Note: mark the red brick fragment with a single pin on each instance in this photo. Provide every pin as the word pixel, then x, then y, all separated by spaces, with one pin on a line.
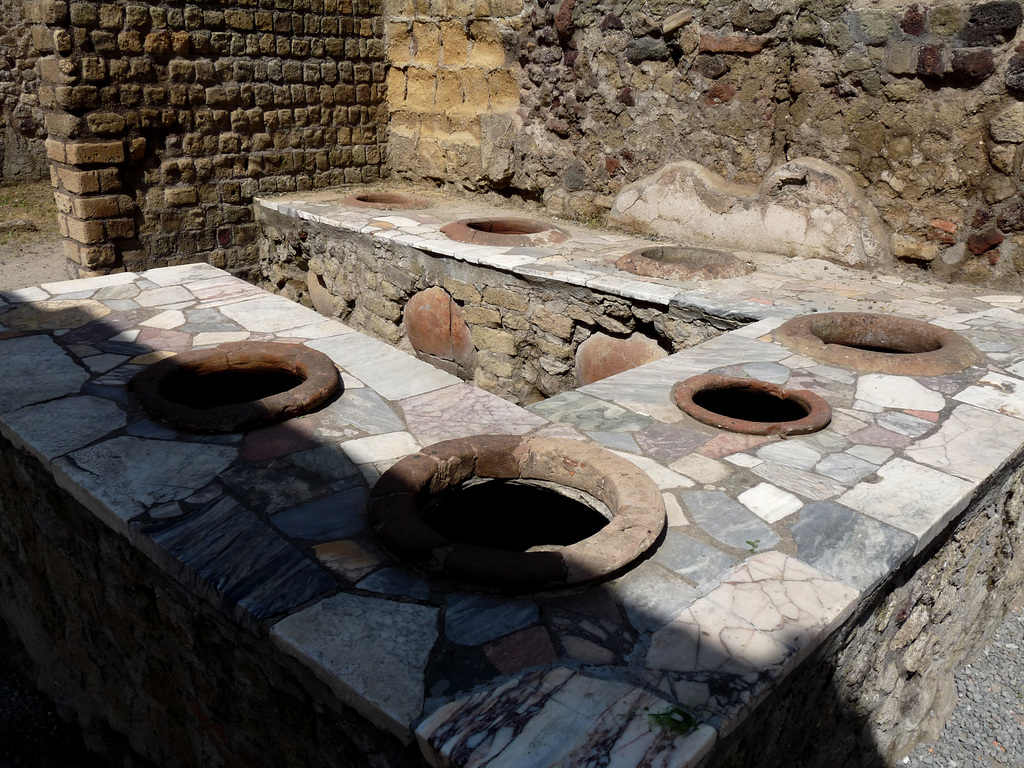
pixel 980 242
pixel 732 44
pixel 945 226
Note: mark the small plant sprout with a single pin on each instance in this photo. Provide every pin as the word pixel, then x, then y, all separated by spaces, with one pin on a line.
pixel 753 544
pixel 675 719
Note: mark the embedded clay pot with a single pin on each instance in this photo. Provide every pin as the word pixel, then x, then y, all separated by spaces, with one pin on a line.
pixel 751 406
pixel 236 387
pixel 677 262
pixel 540 542
pixel 385 201
pixel 876 343
pixel 505 232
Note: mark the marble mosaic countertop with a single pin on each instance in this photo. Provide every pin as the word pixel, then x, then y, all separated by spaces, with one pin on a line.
pixel 771 543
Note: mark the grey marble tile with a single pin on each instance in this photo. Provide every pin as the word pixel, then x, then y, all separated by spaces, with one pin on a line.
pixel 972 443
pixel 328 461
pixel 370 652
pixel 361 408
pixel 692 558
pixel 338 516
pixel 727 520
pixel 393 374
pixel 652 595
pixel 806 484
pixel 855 548
pixel 51 429
pixel 269 314
pixel 918 499
pixel 396 581
pixel 44 372
pixel 589 413
pixel 617 441
pixel 226 553
pixel 845 468
pixel 120 478
pixel 473 619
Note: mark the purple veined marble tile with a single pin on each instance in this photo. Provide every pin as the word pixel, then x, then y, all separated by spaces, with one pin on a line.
pixel 671 442
pixel 464 410
pixel 558 717
pixel 879 437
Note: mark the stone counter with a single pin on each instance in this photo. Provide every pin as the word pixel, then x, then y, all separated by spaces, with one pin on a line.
pixel 812 576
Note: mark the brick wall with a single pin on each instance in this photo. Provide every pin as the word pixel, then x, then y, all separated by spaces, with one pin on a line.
pixel 453 89
pixel 22 155
pixel 166 119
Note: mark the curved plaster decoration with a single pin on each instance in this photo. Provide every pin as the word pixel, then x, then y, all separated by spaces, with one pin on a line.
pixel 804 208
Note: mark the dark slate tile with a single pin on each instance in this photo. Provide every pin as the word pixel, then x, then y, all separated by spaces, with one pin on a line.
pixel 339 516
pixel 123 348
pixel 855 548
pixel 272 489
pixel 473 619
pixel 396 581
pixel 227 553
pixel 105 327
pixel 151 429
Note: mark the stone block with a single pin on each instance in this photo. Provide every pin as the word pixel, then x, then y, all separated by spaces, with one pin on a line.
pixel 554 323
pixel 94 153
pixel 462 291
pixel 454 44
pixel 180 195
pixel 56 150
pixel 399 43
pixel 78 182
pixel 973 65
pixel 119 229
pixel 494 340
pixel 487 50
pixel 102 207
pixel 111 16
pixel 503 90
pixel 490 318
pixel 105 123
pixel 419 92
pixel 1008 125
pixel 426 44
pixel 901 58
pixel 87 232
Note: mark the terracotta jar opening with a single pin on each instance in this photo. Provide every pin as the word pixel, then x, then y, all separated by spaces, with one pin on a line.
pixel 386 201
pixel 751 406
pixel 505 232
pixel 513 514
pixel 876 343
pixel 236 387
pixel 677 262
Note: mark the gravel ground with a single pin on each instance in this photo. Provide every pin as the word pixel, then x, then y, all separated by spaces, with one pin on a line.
pixel 987 726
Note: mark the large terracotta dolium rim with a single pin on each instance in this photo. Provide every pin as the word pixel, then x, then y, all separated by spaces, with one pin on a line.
pixel 818 413
pixel 385 201
pixel 400 496
pixel 510 231
pixel 319 377
pixel 876 343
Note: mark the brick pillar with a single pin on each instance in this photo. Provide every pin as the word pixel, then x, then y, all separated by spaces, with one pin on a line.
pixel 96 221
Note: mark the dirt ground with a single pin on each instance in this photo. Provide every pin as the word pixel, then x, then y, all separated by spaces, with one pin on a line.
pixel 30 258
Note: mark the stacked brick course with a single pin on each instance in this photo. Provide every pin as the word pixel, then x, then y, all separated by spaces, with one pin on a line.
pixel 166 119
